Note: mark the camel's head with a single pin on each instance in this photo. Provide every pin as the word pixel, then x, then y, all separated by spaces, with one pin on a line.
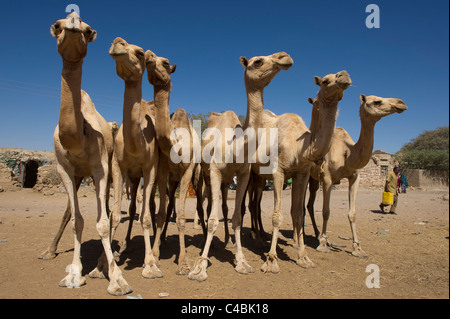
pixel 377 107
pixel 158 69
pixel 130 60
pixel 72 36
pixel 332 86
pixel 260 70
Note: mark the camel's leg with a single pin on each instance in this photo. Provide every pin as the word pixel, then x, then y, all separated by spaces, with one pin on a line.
pixel 170 207
pixel 183 268
pixel 259 188
pixel 313 188
pixel 153 208
pixel 118 286
pixel 299 186
pixel 271 264
pixel 74 278
pixel 215 180
pixel 151 269
pixel 242 266
pixel 198 186
pixel 323 239
pixel 135 182
pixel 50 252
pixel 353 188
pixel 118 175
pixel 224 191
pixel 161 218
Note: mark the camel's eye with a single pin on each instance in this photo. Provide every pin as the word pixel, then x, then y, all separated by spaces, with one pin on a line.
pixel 165 63
pixel 325 81
pixel 140 53
pixel 258 63
pixel 377 102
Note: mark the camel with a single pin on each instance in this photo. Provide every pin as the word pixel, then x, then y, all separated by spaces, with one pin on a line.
pixel 173 132
pixel 219 167
pixel 83 147
pixel 298 149
pixel 136 151
pixel 344 160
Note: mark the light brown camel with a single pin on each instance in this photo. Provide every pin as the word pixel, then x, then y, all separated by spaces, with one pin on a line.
pixel 298 148
pixel 83 147
pixel 177 141
pixel 344 160
pixel 223 157
pixel 135 149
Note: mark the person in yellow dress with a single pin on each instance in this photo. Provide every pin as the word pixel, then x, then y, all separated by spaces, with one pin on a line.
pixel 391 187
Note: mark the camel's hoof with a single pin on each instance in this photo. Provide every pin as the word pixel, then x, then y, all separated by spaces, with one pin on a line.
pixel 97 273
pixel 244 268
pixel 47 255
pixel 323 248
pixel 271 265
pixel 183 269
pixel 199 271
pixel 74 278
pixel 118 286
pixel 358 252
pixel 151 272
pixel 230 244
pixel 305 262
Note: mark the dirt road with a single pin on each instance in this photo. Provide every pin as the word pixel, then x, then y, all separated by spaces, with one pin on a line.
pixel 411 251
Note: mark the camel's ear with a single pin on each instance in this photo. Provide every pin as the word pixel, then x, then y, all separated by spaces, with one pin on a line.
pixel 244 61
pixel 310 100
pixel 363 98
pixel 318 80
pixel 55 29
pixel 173 68
pixel 149 57
pixel 91 35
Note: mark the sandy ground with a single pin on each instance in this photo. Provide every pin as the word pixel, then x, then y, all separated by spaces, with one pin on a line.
pixel 411 250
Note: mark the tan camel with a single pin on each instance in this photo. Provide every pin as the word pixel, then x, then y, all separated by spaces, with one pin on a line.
pixel 298 148
pixel 227 162
pixel 135 149
pixel 177 141
pixel 344 160
pixel 83 147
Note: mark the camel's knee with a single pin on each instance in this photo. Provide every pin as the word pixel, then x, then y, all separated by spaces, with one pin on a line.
pixel 213 223
pixel 103 228
pixel 277 219
pixel 181 223
pixel 146 221
pixel 352 216
pixel 77 224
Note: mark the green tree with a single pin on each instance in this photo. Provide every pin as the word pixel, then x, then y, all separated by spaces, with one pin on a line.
pixel 429 150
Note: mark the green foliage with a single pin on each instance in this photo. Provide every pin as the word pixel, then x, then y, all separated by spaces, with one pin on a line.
pixel 420 159
pixel 435 140
pixel 429 150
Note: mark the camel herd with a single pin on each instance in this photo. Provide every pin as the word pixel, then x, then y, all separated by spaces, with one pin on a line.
pixel 149 138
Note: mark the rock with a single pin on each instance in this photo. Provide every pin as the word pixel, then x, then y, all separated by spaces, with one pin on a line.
pixel 1 189
pixel 49 192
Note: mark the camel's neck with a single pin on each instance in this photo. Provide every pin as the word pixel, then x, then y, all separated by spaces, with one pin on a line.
pixel 163 125
pixel 255 106
pixel 323 123
pixel 71 131
pixel 361 152
pixel 132 134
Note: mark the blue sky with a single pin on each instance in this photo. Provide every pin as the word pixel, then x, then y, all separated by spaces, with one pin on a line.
pixel 407 58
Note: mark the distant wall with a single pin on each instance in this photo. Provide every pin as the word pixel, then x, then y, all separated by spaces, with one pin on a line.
pixel 427 178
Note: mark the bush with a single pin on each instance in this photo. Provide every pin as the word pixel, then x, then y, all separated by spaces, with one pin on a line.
pixel 424 159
